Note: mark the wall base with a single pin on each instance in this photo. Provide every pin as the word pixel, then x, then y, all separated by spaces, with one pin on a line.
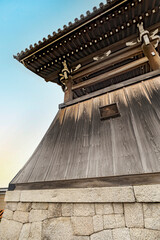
pixel 111 213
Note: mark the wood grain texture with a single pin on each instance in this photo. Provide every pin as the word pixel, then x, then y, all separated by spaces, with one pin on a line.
pixel 78 145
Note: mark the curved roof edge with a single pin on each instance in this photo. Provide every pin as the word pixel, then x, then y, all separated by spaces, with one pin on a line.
pixel 66 29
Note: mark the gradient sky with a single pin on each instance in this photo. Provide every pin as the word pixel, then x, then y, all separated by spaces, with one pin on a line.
pixel 27 103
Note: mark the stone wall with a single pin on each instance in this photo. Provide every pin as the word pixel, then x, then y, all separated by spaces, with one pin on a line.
pixel 129 213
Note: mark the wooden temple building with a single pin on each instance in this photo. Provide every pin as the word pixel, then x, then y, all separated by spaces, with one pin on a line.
pixel 107 64
pixel 106 134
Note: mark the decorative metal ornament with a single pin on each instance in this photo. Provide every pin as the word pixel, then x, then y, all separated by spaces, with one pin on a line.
pixel 66 73
pixel 106 54
pixel 146 37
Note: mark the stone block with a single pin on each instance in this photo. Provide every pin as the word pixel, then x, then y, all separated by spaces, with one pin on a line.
pixel 8 214
pixel 98 223
pixel 151 210
pixel 24 235
pixel 113 221
pixel 54 210
pixel 134 215
pixel 144 234
pixel 9 229
pixel 104 235
pixel 121 234
pixel 118 208
pixel 24 207
pixel 80 195
pixel 12 196
pixel 82 226
pixel 83 210
pixel 80 238
pixel 57 229
pixel 37 215
pixel 36 231
pixel 22 217
pixel 152 223
pixel 147 193
pixel 67 209
pixel 152 215
pixel 11 206
pixel 102 209
pixel 40 206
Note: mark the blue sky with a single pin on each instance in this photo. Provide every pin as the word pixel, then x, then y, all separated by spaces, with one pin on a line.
pixel 27 103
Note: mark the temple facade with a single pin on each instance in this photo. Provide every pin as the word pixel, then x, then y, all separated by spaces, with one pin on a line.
pixel 96 173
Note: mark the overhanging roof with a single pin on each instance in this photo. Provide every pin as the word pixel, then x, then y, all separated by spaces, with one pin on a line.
pixel 107 27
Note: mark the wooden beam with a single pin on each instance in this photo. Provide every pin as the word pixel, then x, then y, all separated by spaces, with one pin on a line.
pixel 68 96
pixel 85 60
pixel 108 61
pixel 111 74
pixel 152 55
pixel 111 88
pixel 135 179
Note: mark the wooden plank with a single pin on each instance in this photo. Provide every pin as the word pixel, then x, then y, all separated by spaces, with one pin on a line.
pixel 126 157
pixel 25 173
pixel 126 180
pixel 146 127
pixel 79 155
pixel 43 163
pixel 110 74
pixel 94 149
pixel 153 90
pixel 105 158
pixel 112 88
pixel 60 155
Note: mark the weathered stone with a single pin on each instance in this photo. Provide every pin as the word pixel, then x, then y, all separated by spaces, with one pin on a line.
pixel 82 225
pixel 11 206
pixel 104 235
pixel 24 235
pixel 67 209
pixel 152 223
pixel 134 215
pixel 55 210
pixel 8 214
pixel 147 193
pixel 97 223
pixel 152 215
pixel 12 196
pixel 9 229
pixel 103 209
pixel 36 231
pixel 40 206
pixel 118 208
pixel 37 215
pixel 21 216
pixel 144 234
pixel 57 229
pixel 121 234
pixel 114 221
pixel 80 238
pixel 151 210
pixel 24 207
pixel 83 210
pixel 79 195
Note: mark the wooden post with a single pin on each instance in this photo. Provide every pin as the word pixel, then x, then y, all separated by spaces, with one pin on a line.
pixel 152 55
pixel 68 95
